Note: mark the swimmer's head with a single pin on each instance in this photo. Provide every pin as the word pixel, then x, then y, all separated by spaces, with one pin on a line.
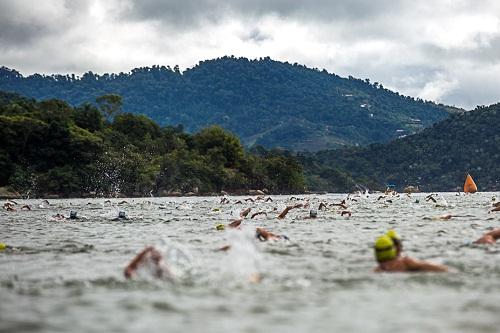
pixel 3 246
pixel 73 215
pixel 385 249
pixel 121 215
pixel 396 239
pixel 220 226
pixel 313 213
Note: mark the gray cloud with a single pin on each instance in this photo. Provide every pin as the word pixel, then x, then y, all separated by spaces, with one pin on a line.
pixel 256 35
pixel 190 13
pixel 23 23
pixel 488 54
pixel 14 33
pixel 441 50
pixel 17 28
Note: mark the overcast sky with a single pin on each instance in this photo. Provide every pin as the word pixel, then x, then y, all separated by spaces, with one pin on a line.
pixel 442 50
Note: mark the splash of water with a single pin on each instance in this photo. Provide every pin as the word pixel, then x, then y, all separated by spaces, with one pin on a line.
pixel 176 259
pixel 242 261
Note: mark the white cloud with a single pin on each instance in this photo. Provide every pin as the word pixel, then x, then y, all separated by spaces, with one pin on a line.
pixel 443 50
pixel 434 90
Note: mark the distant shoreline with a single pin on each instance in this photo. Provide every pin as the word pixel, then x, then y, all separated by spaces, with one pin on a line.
pixel 6 194
pixel 235 194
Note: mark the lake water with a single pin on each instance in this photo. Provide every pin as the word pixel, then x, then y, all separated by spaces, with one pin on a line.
pixel 67 276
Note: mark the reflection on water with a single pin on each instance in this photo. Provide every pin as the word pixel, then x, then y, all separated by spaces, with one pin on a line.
pixel 67 275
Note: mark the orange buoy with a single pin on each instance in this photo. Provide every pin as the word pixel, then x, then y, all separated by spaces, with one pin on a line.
pixel 470 186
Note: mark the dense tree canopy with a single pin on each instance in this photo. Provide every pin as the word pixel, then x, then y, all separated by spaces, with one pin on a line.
pixel 50 147
pixel 264 102
pixel 437 159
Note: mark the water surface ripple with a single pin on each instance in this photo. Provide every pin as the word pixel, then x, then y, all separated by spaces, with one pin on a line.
pixel 67 276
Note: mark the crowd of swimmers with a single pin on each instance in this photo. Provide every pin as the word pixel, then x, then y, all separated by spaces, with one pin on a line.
pixel 387 248
pixel 10 206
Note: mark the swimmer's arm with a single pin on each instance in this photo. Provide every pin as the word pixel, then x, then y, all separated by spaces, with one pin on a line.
pixel 261 234
pixel 236 223
pixel 245 212
pixel 284 212
pixel 264 235
pixel 224 248
pixel 494 233
pixel 489 237
pixel 258 213
pixel 289 208
pixel 132 266
pixel 423 266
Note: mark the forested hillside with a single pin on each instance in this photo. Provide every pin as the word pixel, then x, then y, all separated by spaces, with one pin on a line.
pixel 51 148
pixel 437 159
pixel 264 102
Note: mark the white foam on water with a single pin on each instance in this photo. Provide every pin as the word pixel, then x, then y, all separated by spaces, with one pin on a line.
pixel 242 260
pixel 178 258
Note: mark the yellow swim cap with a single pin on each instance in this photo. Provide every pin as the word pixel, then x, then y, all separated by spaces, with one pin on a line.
pixel 220 226
pixel 393 234
pixel 395 238
pixel 3 246
pixel 384 249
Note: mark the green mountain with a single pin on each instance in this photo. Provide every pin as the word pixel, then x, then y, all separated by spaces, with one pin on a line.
pixel 436 159
pixel 264 102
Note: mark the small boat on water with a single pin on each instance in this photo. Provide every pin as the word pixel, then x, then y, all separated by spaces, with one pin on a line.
pixel 469 185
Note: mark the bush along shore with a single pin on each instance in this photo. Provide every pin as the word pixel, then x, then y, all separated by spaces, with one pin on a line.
pixel 51 149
